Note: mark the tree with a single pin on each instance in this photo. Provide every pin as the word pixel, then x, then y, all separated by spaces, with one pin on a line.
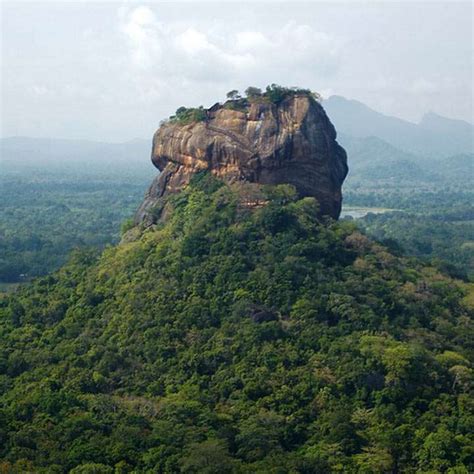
pixel 253 92
pixel 233 95
pixel 374 459
pixel 210 456
pixel 92 468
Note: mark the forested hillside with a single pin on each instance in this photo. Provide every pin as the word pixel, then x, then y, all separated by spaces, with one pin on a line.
pixel 59 195
pixel 237 339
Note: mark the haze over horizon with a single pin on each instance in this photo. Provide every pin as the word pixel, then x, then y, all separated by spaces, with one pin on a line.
pixel 112 71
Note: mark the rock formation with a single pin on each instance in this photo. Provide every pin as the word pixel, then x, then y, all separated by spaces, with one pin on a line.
pixel 258 142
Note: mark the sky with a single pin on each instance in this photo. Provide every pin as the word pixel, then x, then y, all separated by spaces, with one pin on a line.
pixel 111 71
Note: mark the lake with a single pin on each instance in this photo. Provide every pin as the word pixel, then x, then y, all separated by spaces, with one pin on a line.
pixel 358 212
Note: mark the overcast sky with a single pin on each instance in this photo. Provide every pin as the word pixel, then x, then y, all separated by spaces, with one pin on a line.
pixel 111 71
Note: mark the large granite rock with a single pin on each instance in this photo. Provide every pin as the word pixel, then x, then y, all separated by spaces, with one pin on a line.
pixel 292 142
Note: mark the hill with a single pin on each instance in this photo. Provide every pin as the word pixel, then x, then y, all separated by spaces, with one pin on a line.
pixel 374 159
pixel 230 339
pixel 434 136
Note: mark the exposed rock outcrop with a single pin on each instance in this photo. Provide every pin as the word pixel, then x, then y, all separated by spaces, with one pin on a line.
pixel 292 142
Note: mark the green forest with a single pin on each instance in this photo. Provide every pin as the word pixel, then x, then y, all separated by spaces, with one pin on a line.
pixel 47 212
pixel 243 341
pixel 437 227
pixel 236 238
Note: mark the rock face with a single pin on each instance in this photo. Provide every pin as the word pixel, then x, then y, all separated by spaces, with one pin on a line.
pixel 292 142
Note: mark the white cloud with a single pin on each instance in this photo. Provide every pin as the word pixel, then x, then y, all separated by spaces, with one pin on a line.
pixel 142 30
pixel 251 40
pixel 186 54
pixel 192 42
pixel 114 73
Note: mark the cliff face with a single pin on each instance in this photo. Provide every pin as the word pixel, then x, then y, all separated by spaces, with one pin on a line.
pixel 292 142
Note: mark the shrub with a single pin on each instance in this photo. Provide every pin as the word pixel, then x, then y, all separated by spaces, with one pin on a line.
pixel 253 92
pixel 185 116
pixel 233 95
pixel 127 225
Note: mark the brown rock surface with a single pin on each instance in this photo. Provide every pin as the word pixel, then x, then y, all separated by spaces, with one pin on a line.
pixel 292 142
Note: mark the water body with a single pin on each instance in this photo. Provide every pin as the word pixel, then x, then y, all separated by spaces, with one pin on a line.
pixel 358 212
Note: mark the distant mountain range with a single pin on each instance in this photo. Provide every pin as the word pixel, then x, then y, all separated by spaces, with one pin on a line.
pixel 437 149
pixel 434 136
pixel 371 159
pixel 381 147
